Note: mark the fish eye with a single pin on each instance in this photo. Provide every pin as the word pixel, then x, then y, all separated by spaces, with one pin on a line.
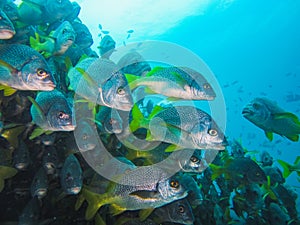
pixel 84 136
pixel 64 31
pixel 111 121
pixel 194 159
pixel 256 106
pixel 174 184
pixel 41 73
pixel 213 132
pixel 206 86
pixel 62 115
pixel 181 209
pixel 121 91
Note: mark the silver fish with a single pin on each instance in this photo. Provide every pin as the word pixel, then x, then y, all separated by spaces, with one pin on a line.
pixel 23 68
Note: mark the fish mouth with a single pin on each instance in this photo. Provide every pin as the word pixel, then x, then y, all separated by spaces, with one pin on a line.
pixel 49 86
pixel 247 111
pixel 68 127
pixel 6 33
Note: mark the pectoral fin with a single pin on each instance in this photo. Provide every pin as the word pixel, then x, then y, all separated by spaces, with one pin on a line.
pixel 131 79
pixel 269 135
pixel 38 132
pixel 116 210
pixel 145 213
pixel 179 80
pixel 8 91
pixel 37 107
pixel 8 66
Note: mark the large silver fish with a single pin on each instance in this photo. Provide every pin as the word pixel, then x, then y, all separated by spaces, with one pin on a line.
pixel 147 187
pixel 267 115
pixel 175 82
pixel 23 68
pixel 184 126
pixel 103 84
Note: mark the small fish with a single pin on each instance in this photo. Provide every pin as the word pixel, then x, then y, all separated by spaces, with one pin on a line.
pixel 31 212
pixel 174 82
pixel 179 211
pixel 130 31
pixel 268 116
pixel 275 175
pixel 147 187
pixel 7 29
pixel 83 38
pixel 109 120
pixel 133 63
pixel 52 111
pixel 58 41
pixel 50 159
pixel 184 126
pixel 277 215
pixel 6 173
pixel 56 10
pixel 289 168
pixel 39 184
pixel 21 156
pixel 71 176
pixel 242 169
pixel 23 68
pixel 85 135
pixel 195 163
pixel 103 84
pixel 266 159
pixel 107 46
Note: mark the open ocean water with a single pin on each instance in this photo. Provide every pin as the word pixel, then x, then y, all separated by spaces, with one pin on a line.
pixel 251 47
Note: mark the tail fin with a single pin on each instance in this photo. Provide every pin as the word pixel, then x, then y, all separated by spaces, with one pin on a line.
pixel 94 200
pixel 34 42
pixel 8 91
pixel 5 173
pixel 286 168
pixel 137 118
pixel 216 171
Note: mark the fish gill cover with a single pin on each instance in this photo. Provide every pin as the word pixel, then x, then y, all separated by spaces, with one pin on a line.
pixel 131 131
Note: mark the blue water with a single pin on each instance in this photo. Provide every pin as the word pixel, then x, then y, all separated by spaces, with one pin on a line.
pixel 256 46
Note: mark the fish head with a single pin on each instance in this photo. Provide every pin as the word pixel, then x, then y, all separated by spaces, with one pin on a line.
pixel 207 135
pixel 199 87
pixel 116 93
pixel 60 116
pixel 65 34
pixel 85 135
pixel 37 75
pixel 83 38
pixel 257 111
pixel 113 123
pixel 202 90
pixel 57 9
pixel 107 45
pixel 180 211
pixel 71 175
pixel 7 29
pixel 266 159
pixel 194 164
pixel 171 189
pixel 256 175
